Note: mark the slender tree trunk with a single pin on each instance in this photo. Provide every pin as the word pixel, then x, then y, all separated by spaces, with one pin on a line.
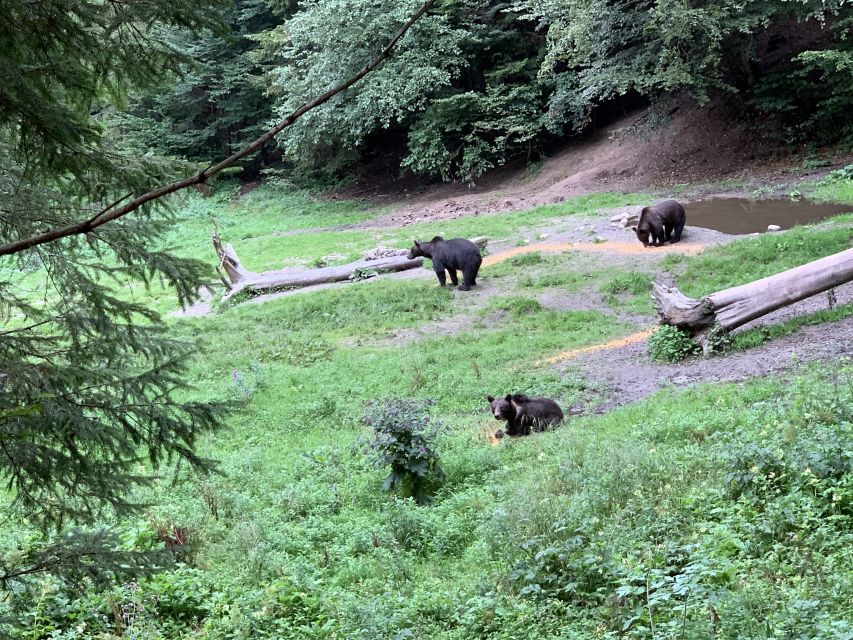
pixel 732 308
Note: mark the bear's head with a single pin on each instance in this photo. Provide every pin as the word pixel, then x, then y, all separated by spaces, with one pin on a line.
pixel 416 251
pixel 502 408
pixel 423 249
pixel 642 229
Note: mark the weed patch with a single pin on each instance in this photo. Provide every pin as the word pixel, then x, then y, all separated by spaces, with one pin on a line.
pixel 671 344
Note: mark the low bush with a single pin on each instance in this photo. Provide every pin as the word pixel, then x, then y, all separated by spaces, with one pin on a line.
pixel 671 344
pixel 404 439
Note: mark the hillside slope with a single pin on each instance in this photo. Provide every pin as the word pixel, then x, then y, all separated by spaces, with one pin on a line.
pixel 642 151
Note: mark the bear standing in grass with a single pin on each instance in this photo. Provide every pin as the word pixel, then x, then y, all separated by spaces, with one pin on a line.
pixel 451 255
pixel 663 221
pixel 523 413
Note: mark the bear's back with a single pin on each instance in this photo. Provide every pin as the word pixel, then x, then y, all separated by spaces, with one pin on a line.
pixel 668 212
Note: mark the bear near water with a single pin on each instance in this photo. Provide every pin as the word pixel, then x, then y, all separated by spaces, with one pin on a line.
pixel 659 223
pixel 451 255
pixel 523 414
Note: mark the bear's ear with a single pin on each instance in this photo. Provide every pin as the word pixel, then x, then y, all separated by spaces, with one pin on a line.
pixel 417 244
pixel 491 398
pixel 634 228
pixel 508 397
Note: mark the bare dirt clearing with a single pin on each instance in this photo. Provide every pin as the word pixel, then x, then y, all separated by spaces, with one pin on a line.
pixel 696 146
pixel 626 374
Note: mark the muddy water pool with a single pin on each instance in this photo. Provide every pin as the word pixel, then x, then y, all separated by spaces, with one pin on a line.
pixel 741 215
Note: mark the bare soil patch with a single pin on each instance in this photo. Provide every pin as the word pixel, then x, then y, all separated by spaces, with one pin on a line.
pixel 627 374
pixel 693 145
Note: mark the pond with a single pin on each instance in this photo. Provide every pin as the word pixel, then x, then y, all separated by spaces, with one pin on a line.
pixel 741 215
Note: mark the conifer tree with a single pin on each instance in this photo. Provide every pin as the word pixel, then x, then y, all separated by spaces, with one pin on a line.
pixel 218 106
pixel 90 382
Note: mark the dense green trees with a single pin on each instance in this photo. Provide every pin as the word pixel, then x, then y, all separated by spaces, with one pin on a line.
pixel 480 81
pixel 218 106
pixel 483 80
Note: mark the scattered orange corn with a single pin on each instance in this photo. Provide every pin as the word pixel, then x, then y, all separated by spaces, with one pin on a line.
pixel 610 344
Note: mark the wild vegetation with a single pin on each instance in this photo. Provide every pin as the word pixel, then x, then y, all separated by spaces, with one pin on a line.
pixel 683 512
pixel 323 465
pixel 488 80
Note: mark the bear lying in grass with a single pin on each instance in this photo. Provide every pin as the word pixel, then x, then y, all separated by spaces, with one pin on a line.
pixel 661 222
pixel 523 414
pixel 451 255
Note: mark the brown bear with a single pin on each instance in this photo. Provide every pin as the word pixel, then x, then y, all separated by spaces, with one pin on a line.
pixel 451 255
pixel 522 413
pixel 663 221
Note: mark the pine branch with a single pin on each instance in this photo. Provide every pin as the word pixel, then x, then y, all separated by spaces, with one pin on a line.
pixel 79 557
pixel 109 214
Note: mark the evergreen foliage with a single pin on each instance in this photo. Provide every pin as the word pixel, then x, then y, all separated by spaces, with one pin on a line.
pixel 218 106
pixel 90 382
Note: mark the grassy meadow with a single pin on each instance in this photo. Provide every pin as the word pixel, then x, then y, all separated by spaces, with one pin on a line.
pixel 719 511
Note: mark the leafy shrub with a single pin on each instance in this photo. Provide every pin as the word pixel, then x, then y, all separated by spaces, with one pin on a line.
pixel 816 462
pixel 839 175
pixel 671 344
pixel 403 439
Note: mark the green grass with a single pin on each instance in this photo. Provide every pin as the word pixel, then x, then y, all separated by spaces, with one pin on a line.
pixel 759 335
pixel 731 499
pixel 836 187
pixel 750 259
pixel 253 224
pixel 530 539
pixel 257 225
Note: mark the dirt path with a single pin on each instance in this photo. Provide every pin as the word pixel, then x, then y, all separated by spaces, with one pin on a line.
pixel 619 370
pixel 622 372
pixel 691 148
pixel 626 374
pixel 622 247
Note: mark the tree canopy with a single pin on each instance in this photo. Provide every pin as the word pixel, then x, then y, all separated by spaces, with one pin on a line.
pixel 482 81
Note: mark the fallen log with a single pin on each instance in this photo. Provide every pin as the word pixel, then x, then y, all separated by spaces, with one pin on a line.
pixel 237 278
pixel 243 279
pixel 734 307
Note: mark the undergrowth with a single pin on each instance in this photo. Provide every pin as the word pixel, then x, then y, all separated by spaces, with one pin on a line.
pixel 671 344
pixel 717 512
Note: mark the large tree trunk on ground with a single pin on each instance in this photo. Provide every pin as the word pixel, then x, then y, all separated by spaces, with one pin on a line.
pixel 241 278
pixel 734 307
